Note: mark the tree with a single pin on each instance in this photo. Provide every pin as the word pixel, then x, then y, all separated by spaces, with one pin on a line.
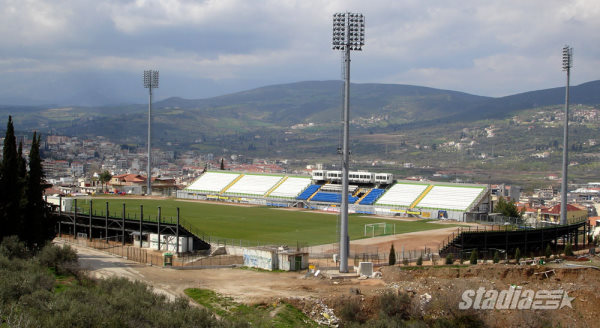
pixel 518 255
pixel 222 164
pixel 568 249
pixel 474 257
pixel 11 190
pixel 104 178
pixel 548 252
pixel 392 257
pixel 508 209
pixel 38 217
pixel 496 258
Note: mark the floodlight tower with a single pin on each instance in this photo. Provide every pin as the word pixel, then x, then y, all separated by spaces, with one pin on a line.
pixel 150 82
pixel 567 63
pixel 348 34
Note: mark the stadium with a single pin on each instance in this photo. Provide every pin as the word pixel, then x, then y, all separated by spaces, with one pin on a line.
pixel 369 193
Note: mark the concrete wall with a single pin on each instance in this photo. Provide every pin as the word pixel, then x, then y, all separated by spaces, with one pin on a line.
pixel 287 262
pixel 169 243
pixel 263 259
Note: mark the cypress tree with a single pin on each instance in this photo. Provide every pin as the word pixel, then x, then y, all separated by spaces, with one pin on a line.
pixel 38 217
pixel 392 257
pixel 11 190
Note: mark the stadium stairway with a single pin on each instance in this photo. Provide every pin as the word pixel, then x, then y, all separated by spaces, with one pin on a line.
pixel 231 184
pixel 421 196
pixel 363 196
pixel 371 197
pixel 276 186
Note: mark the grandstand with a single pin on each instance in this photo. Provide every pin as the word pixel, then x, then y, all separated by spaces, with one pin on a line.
pixel 402 194
pixel 213 182
pixel 253 185
pixel 290 188
pixel 407 198
pixel 450 197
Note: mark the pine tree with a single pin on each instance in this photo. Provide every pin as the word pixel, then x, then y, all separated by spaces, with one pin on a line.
pixel 474 257
pixel 548 252
pixel 518 255
pixel 496 258
pixel 222 164
pixel 392 257
pixel 11 190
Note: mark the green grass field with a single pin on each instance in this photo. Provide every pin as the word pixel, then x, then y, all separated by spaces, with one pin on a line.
pixel 252 224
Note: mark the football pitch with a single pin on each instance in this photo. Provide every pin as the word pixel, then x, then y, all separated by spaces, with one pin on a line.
pixel 253 224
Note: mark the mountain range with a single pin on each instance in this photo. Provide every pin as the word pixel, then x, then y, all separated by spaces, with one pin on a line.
pixel 279 107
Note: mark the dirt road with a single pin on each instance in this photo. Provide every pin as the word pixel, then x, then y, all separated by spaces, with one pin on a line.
pixel 243 285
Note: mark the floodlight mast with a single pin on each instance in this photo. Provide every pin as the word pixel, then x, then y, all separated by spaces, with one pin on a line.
pixel 567 63
pixel 150 82
pixel 348 34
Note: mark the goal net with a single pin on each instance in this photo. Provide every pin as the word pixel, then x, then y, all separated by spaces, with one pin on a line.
pixel 379 229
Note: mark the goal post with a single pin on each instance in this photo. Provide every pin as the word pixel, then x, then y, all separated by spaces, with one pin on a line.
pixel 380 229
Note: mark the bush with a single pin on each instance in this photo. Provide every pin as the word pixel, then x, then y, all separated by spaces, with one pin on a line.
pixel 394 305
pixel 518 255
pixel 350 310
pixel 461 258
pixel 449 259
pixel 420 260
pixel 392 257
pixel 496 258
pixel 548 252
pixel 568 249
pixel 405 262
pixel 474 257
pixel 11 247
pixel 62 259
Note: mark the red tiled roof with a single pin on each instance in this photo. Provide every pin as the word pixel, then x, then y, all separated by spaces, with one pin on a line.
pixel 556 209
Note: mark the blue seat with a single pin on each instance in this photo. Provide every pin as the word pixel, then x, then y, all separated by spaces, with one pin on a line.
pixel 308 192
pixel 372 196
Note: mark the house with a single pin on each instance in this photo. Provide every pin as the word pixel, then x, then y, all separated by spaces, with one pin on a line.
pixel 136 184
pixel 552 214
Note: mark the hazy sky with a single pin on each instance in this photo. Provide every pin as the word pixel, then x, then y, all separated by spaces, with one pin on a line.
pixel 94 52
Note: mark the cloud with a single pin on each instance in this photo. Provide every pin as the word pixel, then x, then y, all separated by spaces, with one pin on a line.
pixel 485 47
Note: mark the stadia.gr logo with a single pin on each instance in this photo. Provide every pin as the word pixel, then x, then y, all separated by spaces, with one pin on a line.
pixel 515 298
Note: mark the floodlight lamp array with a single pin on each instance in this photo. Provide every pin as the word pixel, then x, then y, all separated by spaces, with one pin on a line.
pixel 150 79
pixel 567 58
pixel 348 31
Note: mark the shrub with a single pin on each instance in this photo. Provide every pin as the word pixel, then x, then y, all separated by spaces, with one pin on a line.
pixel 568 249
pixel 405 262
pixel 420 260
pixel 548 252
pixel 11 247
pixel 449 259
pixel 518 255
pixel 392 257
pixel 394 305
pixel 474 257
pixel 496 258
pixel 350 310
pixel 62 259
